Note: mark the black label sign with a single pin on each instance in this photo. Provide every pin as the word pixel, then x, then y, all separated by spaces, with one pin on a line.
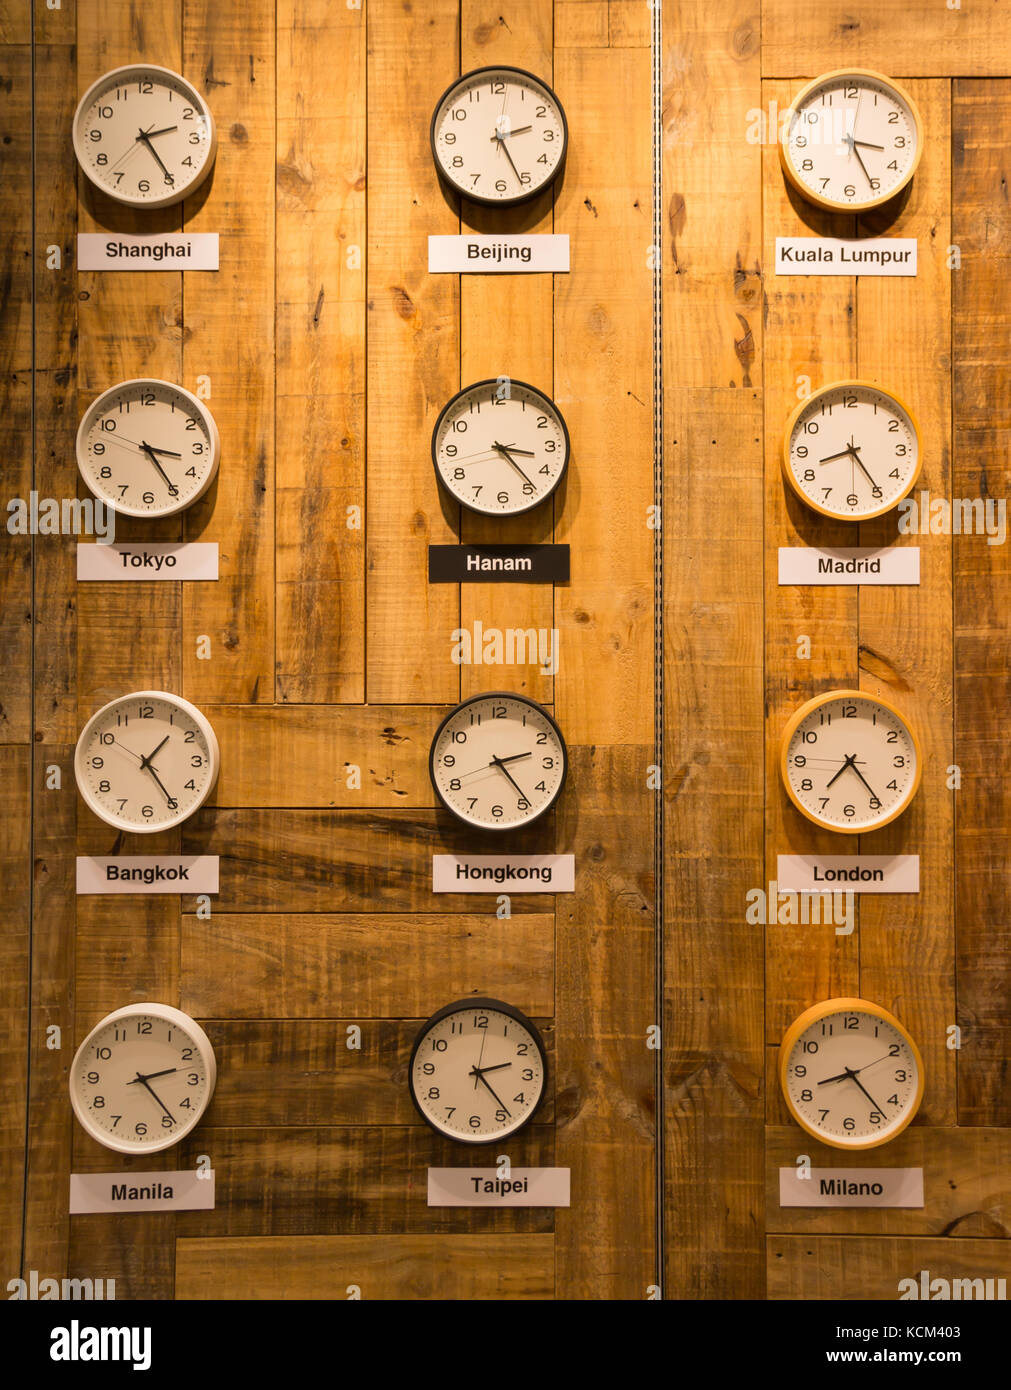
pixel 498 564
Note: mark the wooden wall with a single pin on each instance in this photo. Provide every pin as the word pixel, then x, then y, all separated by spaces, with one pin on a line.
pixel 738 343
pixel 330 350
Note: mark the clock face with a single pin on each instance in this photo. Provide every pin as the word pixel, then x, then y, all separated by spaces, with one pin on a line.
pixel 853 139
pixel 498 761
pixel 478 1070
pixel 851 451
pixel 499 135
pixel 849 761
pixel 851 1074
pixel 500 447
pixel 144 135
pixel 142 1078
pixel 147 447
pixel 146 761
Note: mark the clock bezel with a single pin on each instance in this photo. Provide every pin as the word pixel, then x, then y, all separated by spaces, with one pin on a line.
pixel 461 1006
pixel 199 100
pixel 197 407
pixel 830 204
pixel 498 695
pixel 809 707
pixel 858 383
pixel 498 512
pixel 519 197
pixel 170 1015
pixel 847 1005
pixel 202 723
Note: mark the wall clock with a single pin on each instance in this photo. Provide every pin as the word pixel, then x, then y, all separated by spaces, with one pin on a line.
pixel 478 1070
pixel 144 135
pixel 851 450
pixel 499 135
pixel 851 140
pixel 850 761
pixel 146 761
pixel 148 447
pixel 142 1078
pixel 498 761
pixel 851 1074
pixel 500 447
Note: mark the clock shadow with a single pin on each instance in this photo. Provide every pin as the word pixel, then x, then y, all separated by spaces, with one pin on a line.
pixel 121 219
pixel 846 225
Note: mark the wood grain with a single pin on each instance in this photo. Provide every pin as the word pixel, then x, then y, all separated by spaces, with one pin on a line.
pixel 15 945
pixel 374 966
pixel 966 1185
pixel 712 557
pixel 846 1267
pixel 230 53
pixel 413 358
pixel 400 1267
pixel 982 584
pixel 320 325
pixel 921 39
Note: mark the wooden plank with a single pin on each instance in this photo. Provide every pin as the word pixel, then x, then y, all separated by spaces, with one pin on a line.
pixel 54 916
pixel 329 966
pixel 713 709
pixel 291 1072
pixel 919 39
pixel 581 24
pixel 16 362
pixel 230 52
pixel 15 944
pixel 56 350
pixel 320 382
pixel 848 1267
pixel 54 26
pixel 967 1191
pixel 342 861
pixel 304 755
pixel 464 1267
pixel 339 1180
pixel 982 581
pixel 628 24
pixel 605 941
pixel 904 341
pixel 520 308
pixel 15 23
pixel 413 366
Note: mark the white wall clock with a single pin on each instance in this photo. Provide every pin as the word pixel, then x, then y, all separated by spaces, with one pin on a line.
pixel 478 1070
pixel 148 447
pixel 851 140
pixel 499 135
pixel 851 1074
pixel 146 761
pixel 142 1078
pixel 144 135
pixel 500 447
pixel 849 761
pixel 851 450
pixel 498 761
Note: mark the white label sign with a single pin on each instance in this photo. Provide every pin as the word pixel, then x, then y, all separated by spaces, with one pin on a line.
pixel 148 560
pixel 859 564
pixel 852 873
pixel 851 1187
pixel 498 255
pixel 141 1191
pixel 503 873
pixel 164 251
pixel 147 873
pixel 486 1187
pixel 827 255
